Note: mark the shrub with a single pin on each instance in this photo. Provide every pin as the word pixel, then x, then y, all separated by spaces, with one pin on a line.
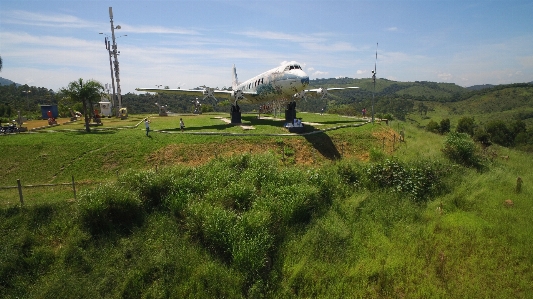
pixel 459 148
pixel 499 133
pixel 433 127
pixel 251 243
pixel 419 181
pixel 328 182
pixel 481 136
pixel 151 186
pixel 212 225
pixel 110 208
pixel 466 125
pixel 290 204
pixel 376 155
pixel 444 126
pixel 349 173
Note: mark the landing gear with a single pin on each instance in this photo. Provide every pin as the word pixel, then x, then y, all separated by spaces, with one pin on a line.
pixel 290 112
pixel 236 114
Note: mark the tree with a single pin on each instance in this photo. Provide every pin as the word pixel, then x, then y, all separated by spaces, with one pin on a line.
pixel 444 126
pixel 466 125
pixel 499 133
pixel 86 93
pixel 0 63
pixel 461 149
pixel 433 126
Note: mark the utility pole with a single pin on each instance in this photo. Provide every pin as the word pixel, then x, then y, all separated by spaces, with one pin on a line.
pixel 115 54
pixel 374 72
pixel 113 101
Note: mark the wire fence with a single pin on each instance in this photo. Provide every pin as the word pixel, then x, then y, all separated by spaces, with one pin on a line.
pixel 22 194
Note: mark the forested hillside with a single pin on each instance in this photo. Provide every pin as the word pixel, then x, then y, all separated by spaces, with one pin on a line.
pixel 391 99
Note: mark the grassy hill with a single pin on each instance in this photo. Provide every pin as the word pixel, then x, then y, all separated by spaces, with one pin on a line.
pixel 508 103
pixel 418 90
pixel 346 213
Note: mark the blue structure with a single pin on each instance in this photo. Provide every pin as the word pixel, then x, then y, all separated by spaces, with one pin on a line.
pixel 46 108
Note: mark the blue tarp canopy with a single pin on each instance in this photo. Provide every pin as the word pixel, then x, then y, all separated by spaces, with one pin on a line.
pixel 46 108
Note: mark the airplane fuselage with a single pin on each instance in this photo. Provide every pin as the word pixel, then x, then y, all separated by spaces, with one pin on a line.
pixel 281 82
pixel 287 81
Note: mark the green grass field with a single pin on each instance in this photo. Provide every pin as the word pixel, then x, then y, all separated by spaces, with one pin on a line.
pixel 348 212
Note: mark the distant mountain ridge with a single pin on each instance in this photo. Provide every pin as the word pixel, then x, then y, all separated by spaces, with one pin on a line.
pixel 479 87
pixel 4 81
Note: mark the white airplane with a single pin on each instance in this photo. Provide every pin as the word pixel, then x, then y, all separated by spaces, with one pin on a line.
pixel 285 81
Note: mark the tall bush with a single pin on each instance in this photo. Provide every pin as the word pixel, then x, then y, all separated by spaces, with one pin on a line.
pixel 110 208
pixel 466 125
pixel 444 126
pixel 461 149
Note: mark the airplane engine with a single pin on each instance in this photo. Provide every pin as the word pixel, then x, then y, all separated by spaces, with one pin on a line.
pixel 208 92
pixel 300 95
pixel 323 92
pixel 237 95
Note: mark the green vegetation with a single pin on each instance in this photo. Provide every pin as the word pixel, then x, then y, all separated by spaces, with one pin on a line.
pixel 344 213
pixel 87 93
pixel 243 224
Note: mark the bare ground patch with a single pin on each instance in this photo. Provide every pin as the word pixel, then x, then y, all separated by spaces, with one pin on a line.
pixel 193 154
pixel 390 136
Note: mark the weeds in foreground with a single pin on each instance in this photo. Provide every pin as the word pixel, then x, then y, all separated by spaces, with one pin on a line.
pixel 246 226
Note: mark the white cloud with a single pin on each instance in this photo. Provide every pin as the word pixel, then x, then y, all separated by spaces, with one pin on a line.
pixel 445 76
pixel 319 73
pixel 327 47
pixel 298 38
pixel 526 61
pixel 20 17
pixel 158 30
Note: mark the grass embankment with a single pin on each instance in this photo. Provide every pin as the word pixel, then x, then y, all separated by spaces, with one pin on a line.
pixel 250 225
pixel 57 154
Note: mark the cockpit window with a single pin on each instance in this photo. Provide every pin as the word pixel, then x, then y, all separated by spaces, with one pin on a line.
pixel 293 67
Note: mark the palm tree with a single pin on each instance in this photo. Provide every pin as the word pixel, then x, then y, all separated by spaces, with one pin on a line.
pixel 86 93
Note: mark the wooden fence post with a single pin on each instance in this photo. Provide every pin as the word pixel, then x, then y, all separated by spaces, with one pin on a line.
pixel 20 192
pixel 74 187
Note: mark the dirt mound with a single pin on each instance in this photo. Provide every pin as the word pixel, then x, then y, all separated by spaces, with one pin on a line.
pixel 295 150
pixel 192 154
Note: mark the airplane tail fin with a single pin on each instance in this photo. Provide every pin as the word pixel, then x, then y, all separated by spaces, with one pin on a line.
pixel 235 81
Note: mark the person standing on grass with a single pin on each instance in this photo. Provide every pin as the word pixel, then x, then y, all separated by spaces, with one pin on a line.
pixel 182 125
pixel 147 125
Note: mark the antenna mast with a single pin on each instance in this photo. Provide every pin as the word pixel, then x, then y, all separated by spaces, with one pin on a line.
pixel 374 72
pixel 115 56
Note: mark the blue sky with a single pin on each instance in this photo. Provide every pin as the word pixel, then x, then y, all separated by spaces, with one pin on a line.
pixel 192 43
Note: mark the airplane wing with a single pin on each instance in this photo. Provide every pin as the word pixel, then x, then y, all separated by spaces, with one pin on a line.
pixel 188 92
pixel 322 91
pixel 206 92
pixel 319 90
